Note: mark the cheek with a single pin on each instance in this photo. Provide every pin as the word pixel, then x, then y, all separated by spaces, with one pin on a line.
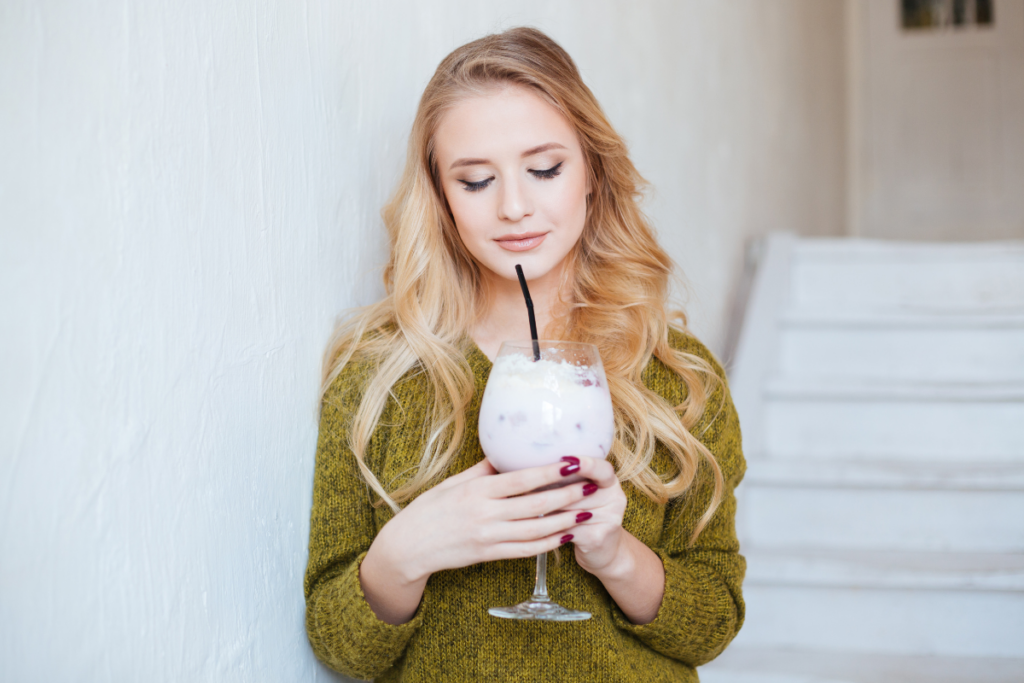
pixel 470 222
pixel 467 222
pixel 571 206
pixel 462 211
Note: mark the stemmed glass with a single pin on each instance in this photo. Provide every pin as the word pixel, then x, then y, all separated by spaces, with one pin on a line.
pixel 544 400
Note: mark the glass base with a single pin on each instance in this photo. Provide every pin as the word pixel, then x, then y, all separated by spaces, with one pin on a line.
pixel 539 610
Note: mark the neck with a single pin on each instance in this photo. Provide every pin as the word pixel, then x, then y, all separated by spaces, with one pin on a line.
pixel 505 315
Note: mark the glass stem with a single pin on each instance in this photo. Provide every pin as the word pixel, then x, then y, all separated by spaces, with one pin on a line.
pixel 540 588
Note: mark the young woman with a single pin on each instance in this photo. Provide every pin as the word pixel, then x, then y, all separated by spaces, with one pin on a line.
pixel 413 533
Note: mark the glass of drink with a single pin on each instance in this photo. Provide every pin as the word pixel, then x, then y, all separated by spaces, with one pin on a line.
pixel 544 400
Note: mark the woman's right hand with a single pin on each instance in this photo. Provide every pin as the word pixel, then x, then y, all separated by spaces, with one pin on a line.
pixel 475 516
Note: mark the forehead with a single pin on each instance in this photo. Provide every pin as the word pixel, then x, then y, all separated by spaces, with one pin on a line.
pixel 504 121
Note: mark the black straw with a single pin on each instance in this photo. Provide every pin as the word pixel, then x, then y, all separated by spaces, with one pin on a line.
pixel 529 309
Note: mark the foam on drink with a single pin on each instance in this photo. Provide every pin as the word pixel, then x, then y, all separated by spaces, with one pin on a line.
pixel 535 412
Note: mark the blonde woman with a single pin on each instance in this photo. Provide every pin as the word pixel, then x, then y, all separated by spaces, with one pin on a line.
pixel 413 533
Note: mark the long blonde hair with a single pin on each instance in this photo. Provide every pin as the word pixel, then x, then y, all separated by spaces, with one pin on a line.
pixel 616 296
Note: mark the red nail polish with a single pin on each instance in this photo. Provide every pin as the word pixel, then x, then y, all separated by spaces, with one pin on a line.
pixel 569 469
pixel 565 539
pixel 583 516
pixel 572 460
pixel 589 488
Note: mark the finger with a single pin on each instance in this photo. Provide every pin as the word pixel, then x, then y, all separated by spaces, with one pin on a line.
pixel 537 527
pixel 544 502
pixel 592 497
pixel 584 537
pixel 610 502
pixel 530 479
pixel 596 538
pixel 519 549
pixel 483 468
pixel 601 472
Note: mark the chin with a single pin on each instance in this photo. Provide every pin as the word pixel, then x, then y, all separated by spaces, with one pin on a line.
pixel 533 271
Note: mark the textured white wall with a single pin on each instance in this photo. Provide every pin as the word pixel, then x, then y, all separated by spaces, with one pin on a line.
pixel 189 192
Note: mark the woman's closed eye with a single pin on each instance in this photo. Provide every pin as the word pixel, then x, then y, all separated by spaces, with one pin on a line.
pixel 477 185
pixel 542 174
pixel 547 173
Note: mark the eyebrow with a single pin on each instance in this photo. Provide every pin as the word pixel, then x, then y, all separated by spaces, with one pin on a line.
pixel 528 153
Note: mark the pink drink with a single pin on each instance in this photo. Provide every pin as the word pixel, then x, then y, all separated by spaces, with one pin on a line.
pixel 535 412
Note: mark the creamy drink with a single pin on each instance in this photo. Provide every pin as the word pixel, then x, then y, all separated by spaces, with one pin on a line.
pixel 544 400
pixel 535 412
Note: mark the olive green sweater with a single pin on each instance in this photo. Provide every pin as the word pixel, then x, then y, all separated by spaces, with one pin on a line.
pixel 451 637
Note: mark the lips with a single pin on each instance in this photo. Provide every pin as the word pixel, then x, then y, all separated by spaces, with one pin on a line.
pixel 523 242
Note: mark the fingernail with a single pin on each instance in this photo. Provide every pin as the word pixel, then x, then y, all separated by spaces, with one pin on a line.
pixel 583 516
pixel 570 469
pixel 565 539
pixel 589 488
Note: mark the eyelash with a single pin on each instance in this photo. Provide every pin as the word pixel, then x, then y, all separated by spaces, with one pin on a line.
pixel 477 186
pixel 543 174
pixel 548 173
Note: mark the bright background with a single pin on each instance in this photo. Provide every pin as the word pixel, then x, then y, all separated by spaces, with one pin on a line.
pixel 189 196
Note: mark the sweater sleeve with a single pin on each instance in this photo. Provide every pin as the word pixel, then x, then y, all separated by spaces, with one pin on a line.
pixel 343 630
pixel 702 609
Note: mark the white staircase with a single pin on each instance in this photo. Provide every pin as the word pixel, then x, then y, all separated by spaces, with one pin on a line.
pixel 881 392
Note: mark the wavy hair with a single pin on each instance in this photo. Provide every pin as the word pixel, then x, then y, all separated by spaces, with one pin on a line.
pixel 616 293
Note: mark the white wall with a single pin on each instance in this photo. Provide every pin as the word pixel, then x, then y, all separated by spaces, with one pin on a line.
pixel 936 126
pixel 736 114
pixel 189 192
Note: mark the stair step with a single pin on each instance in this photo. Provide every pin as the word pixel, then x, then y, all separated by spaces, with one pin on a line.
pixel 868 274
pixel 937 320
pixel 711 674
pixel 895 504
pixel 913 420
pixel 881 511
pixel 885 518
pixel 903 347
pixel 869 390
pixel 961 604
pixel 1000 572
pixel 773 665
pixel 921 621
pixel 887 473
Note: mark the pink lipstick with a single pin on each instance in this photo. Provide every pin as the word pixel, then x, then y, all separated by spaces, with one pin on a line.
pixel 523 242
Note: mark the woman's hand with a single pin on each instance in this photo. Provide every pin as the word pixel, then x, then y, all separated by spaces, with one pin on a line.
pixel 480 516
pixel 598 534
pixel 631 572
pixel 475 516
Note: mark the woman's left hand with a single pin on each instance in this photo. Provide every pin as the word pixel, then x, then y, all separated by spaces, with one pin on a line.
pixel 598 535
pixel 631 572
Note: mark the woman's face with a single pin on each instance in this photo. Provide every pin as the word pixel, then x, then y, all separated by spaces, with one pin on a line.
pixel 516 181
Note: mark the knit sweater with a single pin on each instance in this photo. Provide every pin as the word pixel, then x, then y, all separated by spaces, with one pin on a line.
pixel 451 637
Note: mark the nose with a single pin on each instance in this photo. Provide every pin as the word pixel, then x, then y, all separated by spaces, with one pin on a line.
pixel 514 204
